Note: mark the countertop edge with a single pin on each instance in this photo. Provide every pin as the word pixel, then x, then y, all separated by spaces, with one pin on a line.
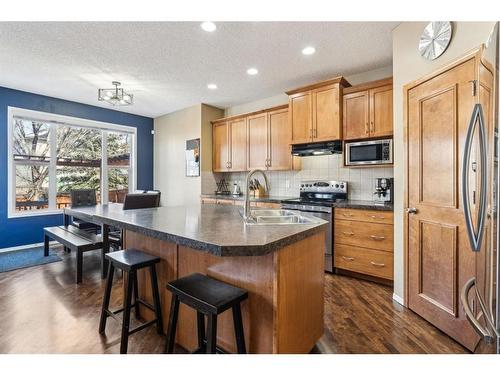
pixel 217 250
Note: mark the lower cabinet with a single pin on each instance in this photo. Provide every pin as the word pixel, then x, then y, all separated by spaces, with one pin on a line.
pixel 363 242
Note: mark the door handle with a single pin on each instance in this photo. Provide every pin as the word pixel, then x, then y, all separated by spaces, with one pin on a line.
pixel 377 238
pixel 464 294
pixel 377 264
pixel 348 233
pixel 377 217
pixel 350 259
pixel 475 237
pixel 411 210
pixel 367 131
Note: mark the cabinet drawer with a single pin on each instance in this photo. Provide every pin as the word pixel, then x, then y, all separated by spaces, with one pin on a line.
pixel 268 205
pixel 225 201
pixel 366 261
pixel 369 235
pixel 370 216
pixel 208 201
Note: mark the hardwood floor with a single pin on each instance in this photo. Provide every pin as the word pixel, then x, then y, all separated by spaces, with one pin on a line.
pixel 42 310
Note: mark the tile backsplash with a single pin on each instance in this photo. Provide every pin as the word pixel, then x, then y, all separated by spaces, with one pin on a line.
pixel 361 181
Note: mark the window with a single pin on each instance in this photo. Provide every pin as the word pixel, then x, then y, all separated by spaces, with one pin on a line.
pixel 50 155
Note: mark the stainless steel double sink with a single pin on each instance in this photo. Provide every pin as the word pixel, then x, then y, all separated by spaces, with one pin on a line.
pixel 279 217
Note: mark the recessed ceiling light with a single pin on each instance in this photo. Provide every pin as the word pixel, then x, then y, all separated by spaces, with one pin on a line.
pixel 208 26
pixel 212 86
pixel 252 71
pixel 308 50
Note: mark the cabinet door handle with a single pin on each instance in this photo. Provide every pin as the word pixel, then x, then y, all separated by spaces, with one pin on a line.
pixel 367 131
pixel 315 133
pixel 348 233
pixel 372 127
pixel 377 238
pixel 347 215
pixel 377 217
pixel 377 264
pixel 350 259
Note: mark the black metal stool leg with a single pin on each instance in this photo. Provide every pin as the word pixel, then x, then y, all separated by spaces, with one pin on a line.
pixel 136 297
pixel 212 334
pixel 201 330
pixel 79 266
pixel 46 246
pixel 106 297
pixel 127 301
pixel 172 324
pixel 238 329
pixel 156 299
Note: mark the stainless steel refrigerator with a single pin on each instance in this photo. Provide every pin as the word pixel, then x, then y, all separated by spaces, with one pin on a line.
pixel 480 182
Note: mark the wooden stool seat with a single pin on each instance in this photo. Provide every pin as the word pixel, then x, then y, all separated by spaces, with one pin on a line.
pixel 130 261
pixel 208 297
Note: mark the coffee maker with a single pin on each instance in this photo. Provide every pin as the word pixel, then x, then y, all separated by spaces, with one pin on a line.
pixel 383 190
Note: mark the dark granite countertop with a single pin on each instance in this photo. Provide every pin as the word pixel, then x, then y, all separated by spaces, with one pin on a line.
pixel 364 205
pixel 269 199
pixel 217 229
pixel 359 204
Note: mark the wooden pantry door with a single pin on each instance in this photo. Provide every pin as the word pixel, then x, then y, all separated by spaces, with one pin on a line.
pixel 439 257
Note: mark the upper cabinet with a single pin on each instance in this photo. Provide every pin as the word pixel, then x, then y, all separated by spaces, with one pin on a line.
pixel 316 111
pixel 229 141
pixel 367 110
pixel 259 140
pixel 220 147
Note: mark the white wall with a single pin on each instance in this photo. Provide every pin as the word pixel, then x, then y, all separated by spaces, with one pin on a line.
pixel 171 133
pixel 408 66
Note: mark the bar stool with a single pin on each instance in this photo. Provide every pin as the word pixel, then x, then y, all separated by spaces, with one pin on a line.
pixel 130 261
pixel 208 297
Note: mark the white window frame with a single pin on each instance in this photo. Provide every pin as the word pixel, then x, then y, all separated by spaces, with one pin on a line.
pixel 51 118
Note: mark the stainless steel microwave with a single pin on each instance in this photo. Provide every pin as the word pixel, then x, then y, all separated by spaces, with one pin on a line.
pixel 368 152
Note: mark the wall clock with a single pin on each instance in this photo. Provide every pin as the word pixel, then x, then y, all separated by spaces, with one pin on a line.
pixel 435 39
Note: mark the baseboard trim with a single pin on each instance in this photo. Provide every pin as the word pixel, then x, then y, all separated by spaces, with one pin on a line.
pixel 24 247
pixel 398 299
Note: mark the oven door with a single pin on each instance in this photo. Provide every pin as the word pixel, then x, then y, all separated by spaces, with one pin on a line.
pixel 324 213
pixel 369 152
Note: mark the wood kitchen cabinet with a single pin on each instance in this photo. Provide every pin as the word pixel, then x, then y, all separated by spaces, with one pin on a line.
pixel 316 111
pixel 363 242
pixel 229 142
pixel 259 140
pixel 367 110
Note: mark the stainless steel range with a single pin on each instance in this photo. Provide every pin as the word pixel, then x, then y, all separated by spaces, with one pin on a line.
pixel 316 199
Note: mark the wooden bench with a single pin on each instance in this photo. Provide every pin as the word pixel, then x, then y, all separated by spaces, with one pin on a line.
pixel 75 239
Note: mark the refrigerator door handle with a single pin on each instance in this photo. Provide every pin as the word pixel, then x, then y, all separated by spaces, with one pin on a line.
pixel 483 332
pixel 475 237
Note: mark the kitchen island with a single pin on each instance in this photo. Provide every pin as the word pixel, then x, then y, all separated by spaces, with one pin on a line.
pixel 281 266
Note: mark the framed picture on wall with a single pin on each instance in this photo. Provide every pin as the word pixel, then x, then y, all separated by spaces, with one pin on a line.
pixel 193 157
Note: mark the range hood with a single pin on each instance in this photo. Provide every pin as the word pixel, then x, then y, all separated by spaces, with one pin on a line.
pixel 320 148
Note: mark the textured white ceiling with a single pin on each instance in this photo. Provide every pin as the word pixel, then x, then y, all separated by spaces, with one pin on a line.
pixel 167 65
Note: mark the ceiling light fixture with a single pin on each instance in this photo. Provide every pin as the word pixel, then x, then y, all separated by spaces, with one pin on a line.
pixel 212 86
pixel 308 50
pixel 252 71
pixel 208 26
pixel 115 96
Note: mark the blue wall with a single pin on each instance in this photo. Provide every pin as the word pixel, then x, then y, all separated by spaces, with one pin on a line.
pixel 22 231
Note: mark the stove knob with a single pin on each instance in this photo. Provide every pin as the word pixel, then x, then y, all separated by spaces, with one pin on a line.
pixel 341 186
pixel 337 185
pixel 302 185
